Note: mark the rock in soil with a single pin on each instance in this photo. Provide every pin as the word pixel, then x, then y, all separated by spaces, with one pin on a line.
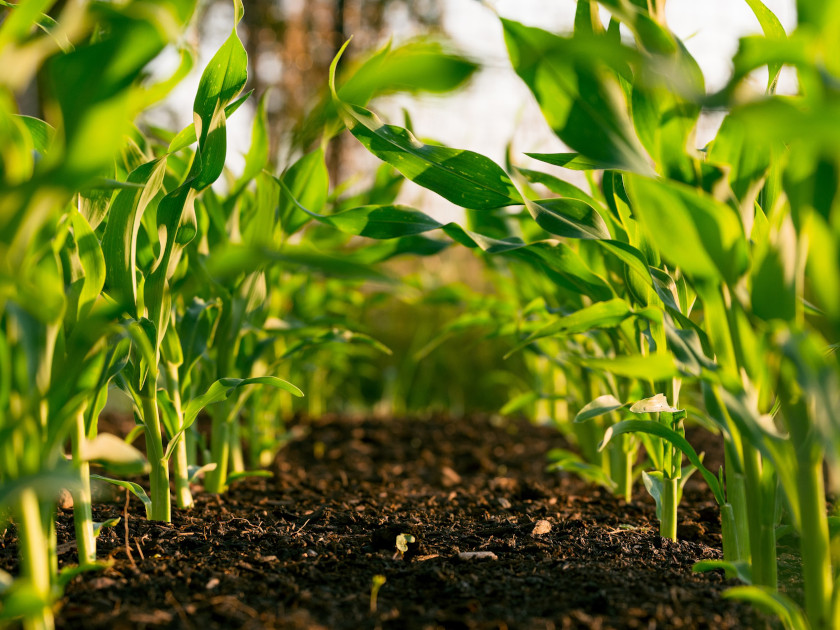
pixel 300 550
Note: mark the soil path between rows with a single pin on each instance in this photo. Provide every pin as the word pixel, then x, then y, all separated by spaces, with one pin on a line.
pixel 300 549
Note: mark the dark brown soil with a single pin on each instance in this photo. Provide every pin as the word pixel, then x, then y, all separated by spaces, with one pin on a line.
pixel 300 550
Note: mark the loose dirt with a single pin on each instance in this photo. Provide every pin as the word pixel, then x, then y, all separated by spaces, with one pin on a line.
pixel 301 549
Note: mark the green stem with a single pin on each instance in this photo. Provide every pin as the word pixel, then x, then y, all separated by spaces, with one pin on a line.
pixel 159 477
pixel 82 511
pixel 34 557
pixel 736 495
pixel 670 499
pixel 731 548
pixel 621 468
pixel 237 460
pixel 763 551
pixel 215 480
pixel 815 545
pixel 183 495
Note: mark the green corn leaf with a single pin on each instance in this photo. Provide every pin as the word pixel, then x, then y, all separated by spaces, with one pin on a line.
pixel 195 472
pixel 194 332
pixel 655 485
pixel 133 488
pixel 772 601
pixel 700 235
pixel 98 526
pixel 599 315
pixel 561 459
pixel 748 157
pixel 119 243
pixel 742 570
pixel 378 222
pixel 571 161
pixel 666 433
pixel 93 263
pixel 308 182
pixel 222 390
pixel 773 29
pixel 159 91
pixel 409 245
pixel 574 83
pixel 91 86
pixel 416 66
pixel 222 80
pixel 42 132
pixel 571 218
pixel 22 600
pixel 599 407
pixel 519 402
pixel 463 177
pixel 176 226
pixel 18 23
pixel 47 484
pixel 187 136
pixel 773 293
pixel 557 186
pixel 258 154
pixel 656 367
pixel 337 336
pixel 115 454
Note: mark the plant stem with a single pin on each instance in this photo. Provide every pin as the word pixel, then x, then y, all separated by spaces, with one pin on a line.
pixel 736 494
pixel 82 512
pixel 731 543
pixel 762 547
pixel 215 480
pixel 816 556
pixel 670 499
pixel 34 558
pixel 159 478
pixel 183 495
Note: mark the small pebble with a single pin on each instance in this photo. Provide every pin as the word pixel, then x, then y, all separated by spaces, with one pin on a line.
pixel 212 583
pixel 541 527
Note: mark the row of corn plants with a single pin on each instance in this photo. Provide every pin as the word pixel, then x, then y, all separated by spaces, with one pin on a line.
pixel 683 283
pixel 686 281
pixel 123 268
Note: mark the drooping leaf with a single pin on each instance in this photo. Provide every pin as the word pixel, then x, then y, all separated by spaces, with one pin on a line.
pixel 571 161
pixel 774 602
pixel 561 459
pixel 133 488
pixel 660 430
pixel 571 218
pixel 574 83
pixel 599 315
pixel 115 454
pixel 463 177
pixel 600 406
